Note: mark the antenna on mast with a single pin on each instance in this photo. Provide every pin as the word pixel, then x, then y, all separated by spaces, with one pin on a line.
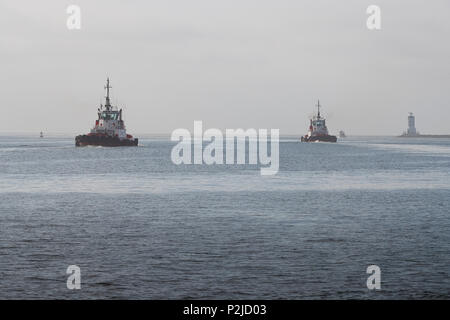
pixel 318 109
pixel 107 87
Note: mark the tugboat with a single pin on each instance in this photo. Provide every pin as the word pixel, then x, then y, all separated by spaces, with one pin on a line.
pixel 41 135
pixel 109 129
pixel 318 130
pixel 342 134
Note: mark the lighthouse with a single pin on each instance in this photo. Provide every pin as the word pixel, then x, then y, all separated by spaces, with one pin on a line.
pixel 411 125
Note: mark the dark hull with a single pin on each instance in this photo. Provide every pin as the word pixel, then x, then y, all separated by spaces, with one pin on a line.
pixel 319 138
pixel 85 140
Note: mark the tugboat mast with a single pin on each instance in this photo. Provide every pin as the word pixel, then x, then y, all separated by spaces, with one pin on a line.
pixel 318 109
pixel 107 87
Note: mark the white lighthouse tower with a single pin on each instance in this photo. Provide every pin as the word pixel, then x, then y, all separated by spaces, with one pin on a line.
pixel 411 125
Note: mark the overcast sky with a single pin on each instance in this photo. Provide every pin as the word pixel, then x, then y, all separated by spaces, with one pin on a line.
pixel 230 63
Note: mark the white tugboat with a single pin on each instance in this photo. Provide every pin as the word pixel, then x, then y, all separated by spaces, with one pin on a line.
pixel 318 130
pixel 109 129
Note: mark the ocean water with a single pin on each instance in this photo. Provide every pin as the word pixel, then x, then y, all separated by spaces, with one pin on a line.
pixel 140 227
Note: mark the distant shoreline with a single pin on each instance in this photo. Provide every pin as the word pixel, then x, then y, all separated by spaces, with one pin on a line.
pixel 426 136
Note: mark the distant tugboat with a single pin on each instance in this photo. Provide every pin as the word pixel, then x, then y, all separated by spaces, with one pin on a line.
pixel 109 129
pixel 41 135
pixel 342 134
pixel 318 130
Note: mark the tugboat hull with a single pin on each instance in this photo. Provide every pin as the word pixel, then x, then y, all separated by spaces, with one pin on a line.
pixel 319 138
pixel 87 140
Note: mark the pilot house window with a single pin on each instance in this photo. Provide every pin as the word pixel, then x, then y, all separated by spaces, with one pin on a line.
pixel 109 116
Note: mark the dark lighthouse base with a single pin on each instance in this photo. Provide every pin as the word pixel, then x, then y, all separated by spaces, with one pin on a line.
pixel 86 140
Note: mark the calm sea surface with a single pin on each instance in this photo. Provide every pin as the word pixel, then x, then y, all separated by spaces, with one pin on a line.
pixel 141 227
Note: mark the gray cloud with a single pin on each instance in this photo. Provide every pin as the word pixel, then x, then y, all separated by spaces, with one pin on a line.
pixel 229 63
